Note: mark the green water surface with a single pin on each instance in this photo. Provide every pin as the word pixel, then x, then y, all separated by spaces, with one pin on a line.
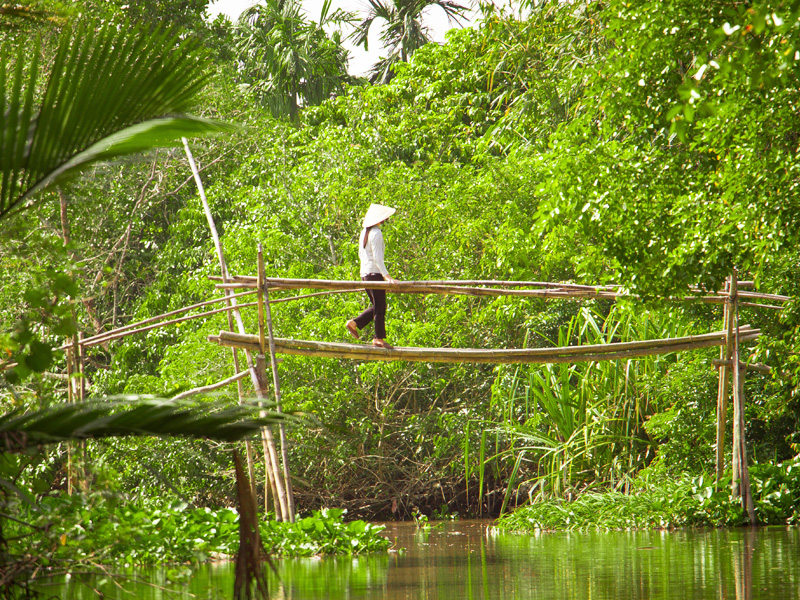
pixel 466 560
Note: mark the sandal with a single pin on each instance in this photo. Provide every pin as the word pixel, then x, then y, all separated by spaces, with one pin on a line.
pixel 379 343
pixel 352 328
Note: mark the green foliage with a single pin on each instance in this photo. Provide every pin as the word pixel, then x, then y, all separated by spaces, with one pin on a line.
pixel 323 532
pixel 107 94
pixel 403 32
pixel 565 146
pixel 46 310
pixel 686 429
pixel 20 431
pixel 669 170
pixel 569 426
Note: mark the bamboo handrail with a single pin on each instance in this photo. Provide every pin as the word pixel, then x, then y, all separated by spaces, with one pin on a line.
pixel 277 282
pixel 163 316
pixel 466 288
pixel 406 287
pixel 116 334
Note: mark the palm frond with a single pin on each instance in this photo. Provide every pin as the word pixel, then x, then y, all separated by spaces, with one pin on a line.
pixel 133 416
pixel 102 81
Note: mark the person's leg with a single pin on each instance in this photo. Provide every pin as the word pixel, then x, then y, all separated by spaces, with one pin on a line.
pixel 379 302
pixel 367 315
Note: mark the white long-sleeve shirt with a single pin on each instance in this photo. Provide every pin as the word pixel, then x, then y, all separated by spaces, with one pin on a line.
pixel 372 255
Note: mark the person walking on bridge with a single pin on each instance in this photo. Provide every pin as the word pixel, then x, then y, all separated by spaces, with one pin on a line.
pixel 370 252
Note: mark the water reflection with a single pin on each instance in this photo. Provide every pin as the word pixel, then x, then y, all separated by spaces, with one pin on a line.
pixel 465 560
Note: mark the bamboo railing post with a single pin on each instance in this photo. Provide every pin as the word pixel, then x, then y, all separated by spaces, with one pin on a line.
pixel 272 470
pixel 722 390
pixel 269 443
pixel 737 433
pixel 275 380
pixel 740 481
pixel 70 400
pixel 746 492
pixel 81 385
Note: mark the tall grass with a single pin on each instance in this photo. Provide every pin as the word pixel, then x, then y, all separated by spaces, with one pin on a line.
pixel 562 428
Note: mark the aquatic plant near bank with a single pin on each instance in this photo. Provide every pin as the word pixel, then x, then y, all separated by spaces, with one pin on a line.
pixel 101 529
pixel 670 503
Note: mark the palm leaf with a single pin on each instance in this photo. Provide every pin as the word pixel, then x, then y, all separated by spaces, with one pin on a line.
pixel 102 81
pixel 135 416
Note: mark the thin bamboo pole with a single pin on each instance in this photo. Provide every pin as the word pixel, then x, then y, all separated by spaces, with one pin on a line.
pixel 722 389
pixel 113 335
pixel 81 385
pixel 275 282
pixel 214 386
pixel 254 376
pixel 736 457
pixel 405 287
pixel 178 311
pixel 271 447
pixel 549 289
pixel 287 479
pixel 740 481
pixel 758 367
pixel 70 400
pixel 272 469
pixel 746 491
pixel 269 482
pixel 261 326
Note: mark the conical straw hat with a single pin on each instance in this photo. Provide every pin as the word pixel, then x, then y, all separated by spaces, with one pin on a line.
pixel 377 213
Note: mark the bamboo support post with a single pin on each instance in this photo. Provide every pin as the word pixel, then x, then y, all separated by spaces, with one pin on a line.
pixel 734 357
pixel 267 312
pixel 70 400
pixel 722 387
pixel 286 510
pixel 740 480
pixel 269 441
pixel 81 389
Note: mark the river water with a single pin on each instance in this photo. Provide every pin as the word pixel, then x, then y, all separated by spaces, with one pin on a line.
pixel 467 560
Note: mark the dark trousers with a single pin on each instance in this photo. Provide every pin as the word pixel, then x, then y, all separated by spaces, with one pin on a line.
pixel 377 310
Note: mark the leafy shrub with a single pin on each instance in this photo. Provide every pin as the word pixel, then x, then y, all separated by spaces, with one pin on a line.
pixel 671 502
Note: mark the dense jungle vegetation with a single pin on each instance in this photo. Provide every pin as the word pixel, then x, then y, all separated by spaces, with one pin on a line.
pixel 647 144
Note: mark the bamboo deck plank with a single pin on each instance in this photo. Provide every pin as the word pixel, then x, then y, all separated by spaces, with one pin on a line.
pixel 596 352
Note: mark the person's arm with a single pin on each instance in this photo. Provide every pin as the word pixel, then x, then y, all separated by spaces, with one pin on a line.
pixel 376 241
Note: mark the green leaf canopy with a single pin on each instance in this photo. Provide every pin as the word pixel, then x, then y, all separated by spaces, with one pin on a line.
pixel 110 91
pixel 133 416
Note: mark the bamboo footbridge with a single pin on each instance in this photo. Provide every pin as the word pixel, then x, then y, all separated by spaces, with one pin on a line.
pixel 261 350
pixel 541 290
pixel 728 339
